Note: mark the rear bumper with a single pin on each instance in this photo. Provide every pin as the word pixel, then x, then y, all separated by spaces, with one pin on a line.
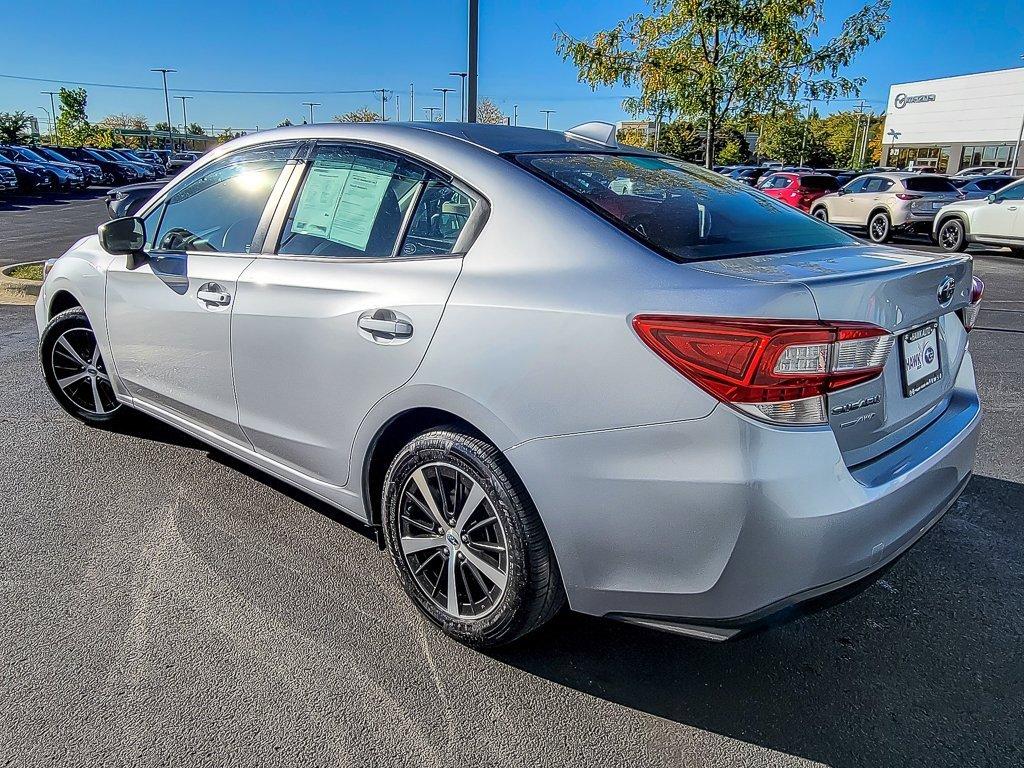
pixel 720 521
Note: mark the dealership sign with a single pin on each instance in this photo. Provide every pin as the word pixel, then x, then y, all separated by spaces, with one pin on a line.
pixel 902 99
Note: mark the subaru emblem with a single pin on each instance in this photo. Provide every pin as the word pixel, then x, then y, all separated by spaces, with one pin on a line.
pixel 947 288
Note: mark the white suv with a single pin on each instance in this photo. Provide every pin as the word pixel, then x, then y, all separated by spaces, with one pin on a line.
pixel 995 220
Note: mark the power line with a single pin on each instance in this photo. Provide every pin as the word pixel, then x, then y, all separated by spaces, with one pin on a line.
pixel 181 90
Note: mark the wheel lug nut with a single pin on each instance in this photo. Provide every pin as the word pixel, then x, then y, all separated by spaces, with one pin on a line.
pixel 465 538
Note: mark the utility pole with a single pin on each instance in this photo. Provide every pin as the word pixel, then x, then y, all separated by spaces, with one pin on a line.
pixel 167 103
pixel 398 107
pixel 474 40
pixel 412 102
pixel 383 98
pixel 184 115
pixel 430 113
pixel 463 75
pixel 49 120
pixel 864 143
pixel 547 118
pixel 311 104
pixel 53 118
pixel 856 132
pixel 803 141
pixel 444 102
pixel 515 114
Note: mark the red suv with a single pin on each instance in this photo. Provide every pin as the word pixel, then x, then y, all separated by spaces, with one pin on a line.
pixel 798 189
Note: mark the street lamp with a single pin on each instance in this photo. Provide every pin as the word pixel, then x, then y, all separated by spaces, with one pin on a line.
pixel 463 75
pixel 430 113
pixel 444 102
pixel 184 114
pixel 515 114
pixel 311 104
pixel 547 117
pixel 383 100
pixel 473 48
pixel 167 103
pixel 53 117
pixel 49 119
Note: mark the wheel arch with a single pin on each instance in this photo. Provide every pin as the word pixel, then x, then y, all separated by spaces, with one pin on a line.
pixel 62 300
pixel 964 219
pixel 388 441
pixel 879 209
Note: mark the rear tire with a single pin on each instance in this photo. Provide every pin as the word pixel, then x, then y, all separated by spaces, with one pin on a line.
pixel 76 373
pixel 820 213
pixel 952 236
pixel 880 228
pixel 474 558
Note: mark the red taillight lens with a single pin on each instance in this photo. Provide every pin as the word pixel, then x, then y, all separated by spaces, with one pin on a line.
pixel 969 314
pixel 905 196
pixel 768 363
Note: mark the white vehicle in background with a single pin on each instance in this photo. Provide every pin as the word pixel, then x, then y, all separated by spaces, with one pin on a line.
pixel 994 220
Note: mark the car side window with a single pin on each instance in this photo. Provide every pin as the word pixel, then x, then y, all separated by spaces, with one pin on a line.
pixel 352 204
pixel 1016 192
pixel 873 184
pixel 440 216
pixel 219 208
pixel 857 185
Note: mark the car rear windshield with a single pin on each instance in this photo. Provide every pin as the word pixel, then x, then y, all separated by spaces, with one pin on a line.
pixel 827 183
pixel 683 211
pixel 928 184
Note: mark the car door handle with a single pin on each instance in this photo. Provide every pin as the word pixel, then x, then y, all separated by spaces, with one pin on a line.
pixel 219 298
pixel 400 329
pixel 1011 207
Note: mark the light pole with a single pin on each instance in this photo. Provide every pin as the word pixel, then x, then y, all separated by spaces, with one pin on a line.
pixel 49 119
pixel 311 104
pixel 515 114
pixel 412 102
pixel 444 102
pixel 383 99
pixel 547 118
pixel 430 113
pixel 53 116
pixel 184 114
pixel 463 75
pixel 471 68
pixel 167 103
pixel 398 107
pixel 803 141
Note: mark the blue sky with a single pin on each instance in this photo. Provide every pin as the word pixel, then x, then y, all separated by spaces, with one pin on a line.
pixel 324 46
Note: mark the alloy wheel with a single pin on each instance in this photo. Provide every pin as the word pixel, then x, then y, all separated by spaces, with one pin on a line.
pixel 949 236
pixel 452 541
pixel 879 228
pixel 80 373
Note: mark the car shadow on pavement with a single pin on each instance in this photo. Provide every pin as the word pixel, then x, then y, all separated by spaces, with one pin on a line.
pixel 913 671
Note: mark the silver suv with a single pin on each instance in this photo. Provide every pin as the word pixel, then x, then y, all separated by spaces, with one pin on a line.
pixel 546 368
pixel 886 203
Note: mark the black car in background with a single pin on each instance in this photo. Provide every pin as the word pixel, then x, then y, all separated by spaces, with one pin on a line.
pixel 152 158
pixel 8 180
pixel 33 179
pixel 978 187
pixel 148 174
pixel 125 201
pixel 93 173
pixel 750 174
pixel 68 177
pixel 114 171
pixel 180 160
pixel 132 156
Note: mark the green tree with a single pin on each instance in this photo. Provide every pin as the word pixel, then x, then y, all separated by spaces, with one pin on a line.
pixel 72 121
pixel 124 122
pixel 735 152
pixel 361 115
pixel 14 127
pixel 285 123
pixel 713 60
pixel 841 128
pixel 196 129
pixel 681 139
pixel 489 112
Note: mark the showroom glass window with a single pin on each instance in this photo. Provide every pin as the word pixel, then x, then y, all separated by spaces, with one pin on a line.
pixel 355 202
pixel 219 208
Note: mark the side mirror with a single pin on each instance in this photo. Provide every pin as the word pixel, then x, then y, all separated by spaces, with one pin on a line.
pixel 124 237
pixel 841 191
pixel 991 198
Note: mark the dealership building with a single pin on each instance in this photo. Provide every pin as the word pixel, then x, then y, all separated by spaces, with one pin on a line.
pixel 956 122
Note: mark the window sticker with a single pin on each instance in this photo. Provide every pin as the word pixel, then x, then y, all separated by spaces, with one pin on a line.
pixel 340 202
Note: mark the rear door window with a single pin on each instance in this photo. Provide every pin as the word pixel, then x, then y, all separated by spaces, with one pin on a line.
pixel 817 183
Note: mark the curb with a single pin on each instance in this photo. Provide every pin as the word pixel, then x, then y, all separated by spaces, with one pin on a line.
pixel 16 285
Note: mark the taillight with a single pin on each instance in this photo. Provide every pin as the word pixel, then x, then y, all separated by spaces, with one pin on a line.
pixel 969 314
pixel 776 370
pixel 905 196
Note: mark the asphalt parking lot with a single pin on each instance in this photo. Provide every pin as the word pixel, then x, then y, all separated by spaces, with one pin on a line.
pixel 164 605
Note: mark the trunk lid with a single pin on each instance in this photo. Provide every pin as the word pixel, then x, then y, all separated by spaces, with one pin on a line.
pixel 896 290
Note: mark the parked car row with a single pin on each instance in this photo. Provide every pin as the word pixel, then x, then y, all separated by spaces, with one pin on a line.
pixel 40 170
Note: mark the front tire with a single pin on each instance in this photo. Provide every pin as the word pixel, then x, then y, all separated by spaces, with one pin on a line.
pixel 466 540
pixel 952 237
pixel 75 371
pixel 880 228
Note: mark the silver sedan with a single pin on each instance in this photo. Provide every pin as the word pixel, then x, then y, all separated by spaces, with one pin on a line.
pixel 549 370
